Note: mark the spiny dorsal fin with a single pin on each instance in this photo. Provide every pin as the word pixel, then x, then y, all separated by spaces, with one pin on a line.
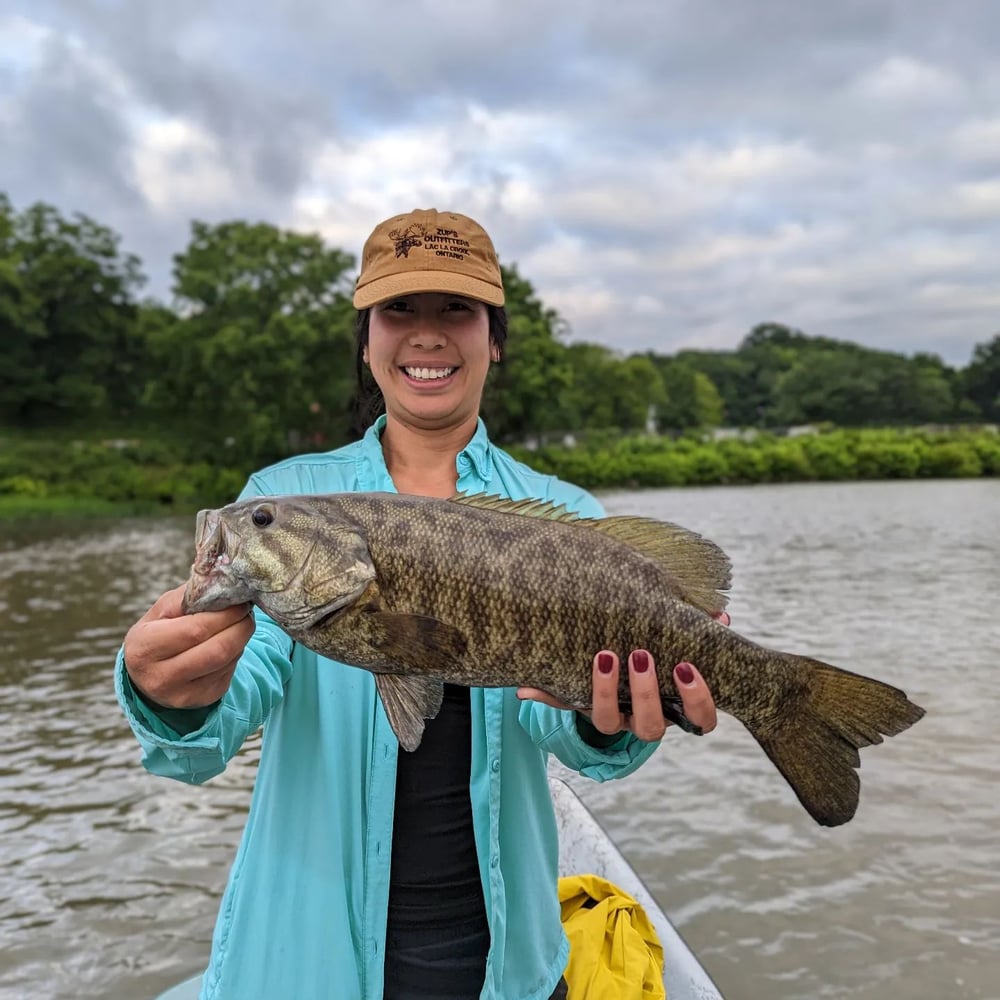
pixel 544 509
pixel 700 568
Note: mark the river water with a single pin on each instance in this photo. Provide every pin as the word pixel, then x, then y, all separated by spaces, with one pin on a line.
pixel 109 878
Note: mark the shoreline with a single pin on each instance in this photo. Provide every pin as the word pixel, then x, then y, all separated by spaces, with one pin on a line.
pixel 97 479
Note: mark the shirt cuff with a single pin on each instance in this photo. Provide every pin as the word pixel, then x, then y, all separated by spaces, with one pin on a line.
pixel 168 725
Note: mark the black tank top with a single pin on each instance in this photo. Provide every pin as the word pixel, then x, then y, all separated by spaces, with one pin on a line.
pixel 437 935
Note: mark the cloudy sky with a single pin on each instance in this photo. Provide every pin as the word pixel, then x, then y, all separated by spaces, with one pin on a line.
pixel 667 173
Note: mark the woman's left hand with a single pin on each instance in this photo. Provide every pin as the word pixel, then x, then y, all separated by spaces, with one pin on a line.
pixel 647 721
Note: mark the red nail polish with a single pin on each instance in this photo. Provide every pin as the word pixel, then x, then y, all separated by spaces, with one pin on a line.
pixel 684 673
pixel 640 661
pixel 605 663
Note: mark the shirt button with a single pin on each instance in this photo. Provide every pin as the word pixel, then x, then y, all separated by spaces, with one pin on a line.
pixel 494 861
pixel 496 766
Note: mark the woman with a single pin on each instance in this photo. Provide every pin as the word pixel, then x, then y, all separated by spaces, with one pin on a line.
pixel 365 871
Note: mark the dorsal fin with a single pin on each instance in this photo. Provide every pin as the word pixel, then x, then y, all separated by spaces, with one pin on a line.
pixel 544 509
pixel 700 568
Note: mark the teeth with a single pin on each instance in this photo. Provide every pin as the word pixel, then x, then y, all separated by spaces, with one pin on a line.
pixel 428 373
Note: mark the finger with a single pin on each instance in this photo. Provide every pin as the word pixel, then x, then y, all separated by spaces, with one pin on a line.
pixel 536 694
pixel 162 679
pixel 167 605
pixel 166 637
pixel 723 617
pixel 606 714
pixel 197 676
pixel 647 709
pixel 215 652
pixel 198 692
pixel 699 705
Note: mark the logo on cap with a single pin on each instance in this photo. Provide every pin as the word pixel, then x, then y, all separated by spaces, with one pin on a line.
pixel 408 238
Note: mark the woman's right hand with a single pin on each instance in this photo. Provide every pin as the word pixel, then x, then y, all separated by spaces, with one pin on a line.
pixel 186 661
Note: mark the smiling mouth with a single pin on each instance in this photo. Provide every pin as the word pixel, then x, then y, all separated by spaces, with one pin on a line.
pixel 428 374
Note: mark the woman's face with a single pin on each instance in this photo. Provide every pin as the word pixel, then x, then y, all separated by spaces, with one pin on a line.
pixel 429 353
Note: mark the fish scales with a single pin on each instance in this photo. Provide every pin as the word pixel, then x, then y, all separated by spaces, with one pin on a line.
pixel 524 621
pixel 488 592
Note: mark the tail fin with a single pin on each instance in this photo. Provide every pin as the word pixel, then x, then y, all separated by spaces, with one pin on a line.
pixel 814 742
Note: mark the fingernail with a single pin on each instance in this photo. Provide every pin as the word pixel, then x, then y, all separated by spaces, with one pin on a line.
pixel 605 663
pixel 640 661
pixel 684 672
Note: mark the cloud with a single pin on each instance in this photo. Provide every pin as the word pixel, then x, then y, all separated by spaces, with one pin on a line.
pixel 899 80
pixel 666 173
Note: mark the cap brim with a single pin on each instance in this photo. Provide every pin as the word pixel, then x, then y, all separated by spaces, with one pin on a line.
pixel 411 282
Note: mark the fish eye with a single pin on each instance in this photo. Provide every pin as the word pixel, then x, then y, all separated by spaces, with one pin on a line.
pixel 262 517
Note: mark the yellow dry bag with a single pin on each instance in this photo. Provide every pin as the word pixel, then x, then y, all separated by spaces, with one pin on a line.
pixel 614 951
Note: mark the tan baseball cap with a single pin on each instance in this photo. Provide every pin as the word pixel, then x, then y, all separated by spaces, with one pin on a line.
pixel 428 251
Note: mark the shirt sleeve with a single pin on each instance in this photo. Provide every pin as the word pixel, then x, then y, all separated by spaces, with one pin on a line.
pixel 556 732
pixel 192 745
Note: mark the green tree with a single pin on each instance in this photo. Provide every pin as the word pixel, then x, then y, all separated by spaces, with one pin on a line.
pixel 67 317
pixel 690 398
pixel 746 378
pixel 981 380
pixel 915 390
pixel 613 392
pixel 594 369
pixel 527 393
pixel 261 355
pixel 827 385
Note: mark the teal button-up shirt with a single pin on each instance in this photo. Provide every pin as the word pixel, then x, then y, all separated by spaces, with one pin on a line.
pixel 304 911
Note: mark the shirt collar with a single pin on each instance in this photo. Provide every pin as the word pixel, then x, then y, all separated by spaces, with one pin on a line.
pixel 478 453
pixel 476 457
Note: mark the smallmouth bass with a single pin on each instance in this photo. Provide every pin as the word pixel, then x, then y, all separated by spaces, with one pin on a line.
pixel 487 592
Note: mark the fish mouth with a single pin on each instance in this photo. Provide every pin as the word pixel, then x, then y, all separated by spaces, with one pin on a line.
pixel 210 544
pixel 209 586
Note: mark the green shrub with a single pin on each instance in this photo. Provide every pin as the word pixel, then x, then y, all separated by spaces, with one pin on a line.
pixel 23 486
pixel 747 463
pixel 788 462
pixel 951 459
pixel 830 457
pixel 707 466
pixel 987 447
pixel 887 460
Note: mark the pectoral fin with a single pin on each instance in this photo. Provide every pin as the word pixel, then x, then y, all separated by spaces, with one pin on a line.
pixel 427 649
pixel 408 701
pixel 418 643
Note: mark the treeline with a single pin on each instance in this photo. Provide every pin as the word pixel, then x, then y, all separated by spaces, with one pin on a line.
pixel 253 357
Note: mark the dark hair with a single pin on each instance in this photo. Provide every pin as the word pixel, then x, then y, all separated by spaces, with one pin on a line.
pixel 368 402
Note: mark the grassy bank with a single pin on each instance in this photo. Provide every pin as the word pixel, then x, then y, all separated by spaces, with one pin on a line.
pixel 42 475
pixel 20 508
pixel 53 476
pixel 833 455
